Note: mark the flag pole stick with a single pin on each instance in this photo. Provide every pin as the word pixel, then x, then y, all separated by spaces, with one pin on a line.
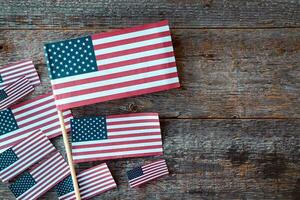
pixel 69 155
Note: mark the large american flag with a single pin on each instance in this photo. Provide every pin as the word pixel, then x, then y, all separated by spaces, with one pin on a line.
pixel 143 174
pixel 116 136
pixel 45 175
pixel 22 119
pixel 17 159
pixel 92 182
pixel 14 92
pixel 112 65
pixel 12 72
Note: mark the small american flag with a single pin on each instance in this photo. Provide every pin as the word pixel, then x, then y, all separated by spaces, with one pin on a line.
pixel 12 72
pixel 92 182
pixel 14 92
pixel 112 65
pixel 116 136
pixel 143 174
pixel 17 159
pixel 22 119
pixel 45 175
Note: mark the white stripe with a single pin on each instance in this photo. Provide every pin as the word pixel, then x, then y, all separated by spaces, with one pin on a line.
pixel 131 35
pixel 41 168
pixel 99 178
pixel 121 119
pixel 111 81
pixel 16 73
pixel 135 55
pixel 99 169
pixel 68 195
pixel 122 153
pixel 100 190
pixel 133 45
pixel 17 138
pixel 113 147
pixel 116 140
pixel 126 125
pixel 157 130
pixel 114 70
pixel 117 91
pixel 100 183
pixel 28 105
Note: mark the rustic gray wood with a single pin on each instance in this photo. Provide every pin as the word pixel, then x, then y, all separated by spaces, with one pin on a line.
pixel 232 130
pixel 37 14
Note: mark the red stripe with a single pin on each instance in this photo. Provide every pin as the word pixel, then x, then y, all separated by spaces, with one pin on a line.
pixel 21 111
pixel 136 60
pixel 131 115
pixel 85 183
pixel 115 143
pixel 114 157
pixel 31 100
pixel 129 30
pixel 132 40
pixel 149 178
pixel 95 194
pixel 111 76
pixel 116 86
pixel 88 194
pixel 133 50
pixel 117 96
pixel 133 135
pixel 132 121
pixel 89 169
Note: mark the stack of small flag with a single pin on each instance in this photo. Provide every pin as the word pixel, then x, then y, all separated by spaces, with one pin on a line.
pixel 84 71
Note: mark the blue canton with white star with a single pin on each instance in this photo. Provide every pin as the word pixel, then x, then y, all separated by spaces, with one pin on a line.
pixel 7 122
pixel 7 158
pixel 88 129
pixel 3 95
pixel 22 184
pixel 70 57
pixel 134 173
pixel 65 186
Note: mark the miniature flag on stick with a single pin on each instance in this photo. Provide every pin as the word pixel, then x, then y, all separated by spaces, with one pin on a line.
pixel 14 71
pixel 116 136
pixel 112 65
pixel 14 92
pixel 143 174
pixel 92 182
pixel 34 183
pixel 22 119
pixel 17 159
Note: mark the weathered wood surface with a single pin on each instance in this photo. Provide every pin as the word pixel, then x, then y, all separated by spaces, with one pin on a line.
pixel 34 14
pixel 232 130
pixel 240 73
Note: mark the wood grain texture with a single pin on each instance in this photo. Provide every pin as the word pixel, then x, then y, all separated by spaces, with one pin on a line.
pixel 240 73
pixel 37 14
pixel 232 130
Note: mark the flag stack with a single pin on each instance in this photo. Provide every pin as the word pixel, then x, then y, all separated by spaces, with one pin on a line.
pixel 37 181
pixel 17 159
pixel 24 118
pixel 92 182
pixel 16 81
pixel 83 71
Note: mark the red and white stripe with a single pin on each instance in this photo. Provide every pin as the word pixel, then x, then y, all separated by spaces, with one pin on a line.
pixel 25 68
pixel 129 135
pixel 29 151
pixel 150 172
pixel 38 113
pixel 130 61
pixel 92 182
pixel 47 174
pixel 16 91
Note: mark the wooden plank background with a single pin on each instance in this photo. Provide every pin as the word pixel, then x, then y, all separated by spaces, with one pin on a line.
pixel 232 130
